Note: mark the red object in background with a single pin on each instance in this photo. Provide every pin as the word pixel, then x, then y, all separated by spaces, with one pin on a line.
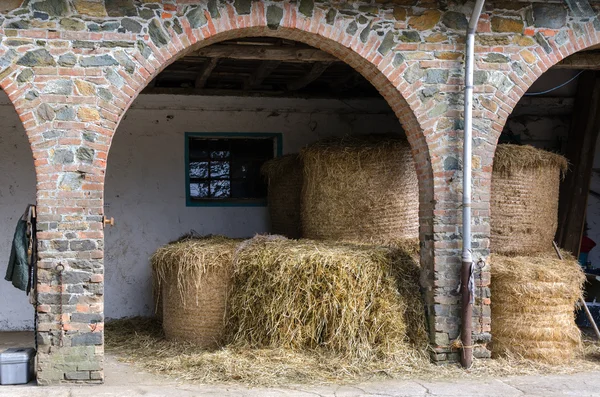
pixel 587 244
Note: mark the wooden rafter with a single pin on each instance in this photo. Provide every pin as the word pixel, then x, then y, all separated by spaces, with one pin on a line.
pixel 260 74
pixel 581 60
pixel 583 135
pixel 203 76
pixel 267 53
pixel 315 72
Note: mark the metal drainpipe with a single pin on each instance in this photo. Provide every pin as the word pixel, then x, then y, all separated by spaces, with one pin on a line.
pixel 466 358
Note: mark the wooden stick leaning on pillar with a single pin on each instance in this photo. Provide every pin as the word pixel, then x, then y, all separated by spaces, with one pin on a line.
pixel 581 300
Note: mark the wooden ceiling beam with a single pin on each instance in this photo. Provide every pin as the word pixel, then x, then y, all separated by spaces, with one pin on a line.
pixel 266 53
pixel 580 60
pixel 260 74
pixel 315 72
pixel 203 76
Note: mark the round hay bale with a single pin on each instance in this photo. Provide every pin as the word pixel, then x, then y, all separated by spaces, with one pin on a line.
pixel 342 298
pixel 193 276
pixel 285 186
pixel 533 303
pixel 358 189
pixel 524 199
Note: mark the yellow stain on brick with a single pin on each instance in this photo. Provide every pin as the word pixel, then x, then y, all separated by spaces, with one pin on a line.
pixel 489 105
pixel 523 41
pixel 528 56
pixel 85 88
pixel 399 13
pixel 507 25
pixel 91 8
pixel 88 114
pixel 448 55
pixel 436 38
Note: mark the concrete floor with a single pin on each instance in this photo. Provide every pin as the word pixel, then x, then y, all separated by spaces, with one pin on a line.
pixel 16 339
pixel 128 381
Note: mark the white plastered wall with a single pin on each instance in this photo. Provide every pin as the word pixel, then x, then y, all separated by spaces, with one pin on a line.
pixel 145 182
pixel 17 189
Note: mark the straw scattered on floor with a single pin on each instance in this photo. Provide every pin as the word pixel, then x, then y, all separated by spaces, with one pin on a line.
pixel 140 342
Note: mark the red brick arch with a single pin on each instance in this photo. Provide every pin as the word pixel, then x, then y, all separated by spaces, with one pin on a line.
pixel 383 71
pixel 15 95
pixel 534 62
pixel 365 58
pixel 70 190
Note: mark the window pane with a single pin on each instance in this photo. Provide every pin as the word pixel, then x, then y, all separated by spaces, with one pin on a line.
pixel 199 169
pixel 239 171
pixel 228 168
pixel 219 169
pixel 199 190
pixel 220 155
pixel 220 189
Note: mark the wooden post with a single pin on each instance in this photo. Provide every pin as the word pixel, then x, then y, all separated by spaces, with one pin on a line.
pixel 580 153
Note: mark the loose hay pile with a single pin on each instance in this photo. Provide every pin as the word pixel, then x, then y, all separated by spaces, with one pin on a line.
pixel 141 342
pixel 524 200
pixel 285 186
pixel 533 299
pixel 359 188
pixel 193 276
pixel 341 298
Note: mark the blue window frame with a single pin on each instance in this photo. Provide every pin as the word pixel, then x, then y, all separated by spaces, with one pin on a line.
pixel 223 169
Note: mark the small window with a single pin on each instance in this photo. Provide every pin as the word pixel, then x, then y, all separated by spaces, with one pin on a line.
pixel 225 169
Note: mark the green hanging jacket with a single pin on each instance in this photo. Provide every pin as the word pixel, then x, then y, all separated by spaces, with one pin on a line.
pixel 18 264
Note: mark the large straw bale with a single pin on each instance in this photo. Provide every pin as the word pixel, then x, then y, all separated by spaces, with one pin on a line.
pixel 342 298
pixel 524 200
pixel 533 302
pixel 358 188
pixel 285 186
pixel 193 277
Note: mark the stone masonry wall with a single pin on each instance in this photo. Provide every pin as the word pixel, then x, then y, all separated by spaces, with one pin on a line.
pixel 73 67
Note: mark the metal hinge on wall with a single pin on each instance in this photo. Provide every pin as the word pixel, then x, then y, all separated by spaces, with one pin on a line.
pixel 108 221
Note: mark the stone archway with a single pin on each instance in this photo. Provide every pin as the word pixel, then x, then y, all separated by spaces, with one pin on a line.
pixel 72 100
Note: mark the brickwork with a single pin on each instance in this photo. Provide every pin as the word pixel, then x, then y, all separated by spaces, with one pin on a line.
pixel 73 67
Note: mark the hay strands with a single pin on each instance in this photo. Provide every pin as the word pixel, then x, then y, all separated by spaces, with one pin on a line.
pixel 581 300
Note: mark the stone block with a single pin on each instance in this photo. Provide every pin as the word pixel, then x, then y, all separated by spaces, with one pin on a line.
pixel 90 8
pixel 58 8
pixel 40 57
pixel 274 16
pixel 425 21
pixel 87 339
pixel 77 375
pixel 507 25
pixel 551 16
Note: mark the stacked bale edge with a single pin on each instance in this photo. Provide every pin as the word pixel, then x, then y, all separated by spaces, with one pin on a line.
pixel 193 277
pixel 533 300
pixel 284 175
pixel 342 298
pixel 524 199
pixel 360 188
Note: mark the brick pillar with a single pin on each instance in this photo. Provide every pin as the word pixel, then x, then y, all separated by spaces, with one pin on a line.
pixel 443 298
pixel 70 306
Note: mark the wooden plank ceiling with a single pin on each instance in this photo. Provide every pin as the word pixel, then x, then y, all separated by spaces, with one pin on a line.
pixel 261 67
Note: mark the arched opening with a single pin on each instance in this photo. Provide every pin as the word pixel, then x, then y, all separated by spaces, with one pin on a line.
pixel 557 114
pixel 277 90
pixel 228 92
pixel 17 189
